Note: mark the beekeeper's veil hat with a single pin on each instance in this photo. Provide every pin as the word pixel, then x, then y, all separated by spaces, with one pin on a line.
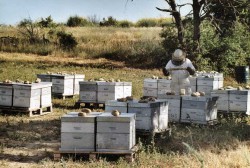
pixel 178 55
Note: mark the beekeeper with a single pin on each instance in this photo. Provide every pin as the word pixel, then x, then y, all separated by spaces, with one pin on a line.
pixel 179 67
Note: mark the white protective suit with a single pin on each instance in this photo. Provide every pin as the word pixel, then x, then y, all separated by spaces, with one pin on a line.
pixel 180 77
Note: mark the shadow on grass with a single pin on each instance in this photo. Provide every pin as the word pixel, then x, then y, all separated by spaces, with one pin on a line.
pixel 27 140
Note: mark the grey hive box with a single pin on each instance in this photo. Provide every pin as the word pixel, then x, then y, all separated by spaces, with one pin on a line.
pixel 78 133
pixel 115 133
pixel 109 91
pixel 174 106
pixel 200 110
pixel 27 95
pixel 151 116
pixel 88 91
pixel 163 86
pixel 150 87
pixel 6 93
pixel 223 99
pixel 239 101
pixel 64 84
pixel 111 105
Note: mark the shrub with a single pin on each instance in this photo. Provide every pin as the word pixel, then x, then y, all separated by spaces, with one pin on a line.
pixel 146 23
pixel 66 41
pixel 125 23
pixel 76 21
pixel 110 22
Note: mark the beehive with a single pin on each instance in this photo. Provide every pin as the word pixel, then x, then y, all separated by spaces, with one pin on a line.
pixel 174 106
pixel 223 99
pixel 109 91
pixel 46 94
pixel 127 89
pixel 63 84
pixel 6 93
pixel 115 133
pixel 150 87
pixel 77 78
pixel 239 101
pixel 111 105
pixel 77 132
pixel 200 110
pixel 27 95
pixel 150 116
pixel 209 83
pixel 163 86
pixel 88 91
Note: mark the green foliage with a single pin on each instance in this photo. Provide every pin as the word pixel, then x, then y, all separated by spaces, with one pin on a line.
pixel 125 23
pixel 109 22
pixel 146 23
pixel 47 22
pixel 76 21
pixel 66 41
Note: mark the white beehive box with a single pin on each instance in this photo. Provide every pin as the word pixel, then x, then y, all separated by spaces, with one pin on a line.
pixel 46 100
pixel 88 91
pixel 149 116
pixel 115 133
pixel 109 91
pixel 27 95
pixel 193 83
pixel 127 89
pixel 174 107
pixel 239 101
pixel 150 87
pixel 111 105
pixel 207 84
pixel 6 93
pixel 200 110
pixel 163 86
pixel 63 84
pixel 78 133
pixel 77 78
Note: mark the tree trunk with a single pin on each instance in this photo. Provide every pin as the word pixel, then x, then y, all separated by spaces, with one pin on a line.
pixel 178 22
pixel 196 24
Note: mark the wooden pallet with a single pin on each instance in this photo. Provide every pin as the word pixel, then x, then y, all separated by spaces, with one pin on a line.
pixel 31 112
pixel 92 105
pixel 129 156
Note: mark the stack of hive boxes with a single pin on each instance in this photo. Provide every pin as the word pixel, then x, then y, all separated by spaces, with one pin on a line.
pixel 78 133
pixel 101 91
pixel 30 96
pixel 233 100
pixel 115 133
pixel 97 132
pixel 63 84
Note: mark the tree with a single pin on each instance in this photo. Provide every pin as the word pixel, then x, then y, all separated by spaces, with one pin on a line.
pixel 47 22
pixel 29 30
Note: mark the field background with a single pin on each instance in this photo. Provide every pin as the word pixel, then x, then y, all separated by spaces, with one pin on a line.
pixel 30 142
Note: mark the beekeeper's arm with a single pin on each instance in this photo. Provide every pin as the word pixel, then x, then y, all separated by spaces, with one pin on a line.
pixel 190 67
pixel 166 70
